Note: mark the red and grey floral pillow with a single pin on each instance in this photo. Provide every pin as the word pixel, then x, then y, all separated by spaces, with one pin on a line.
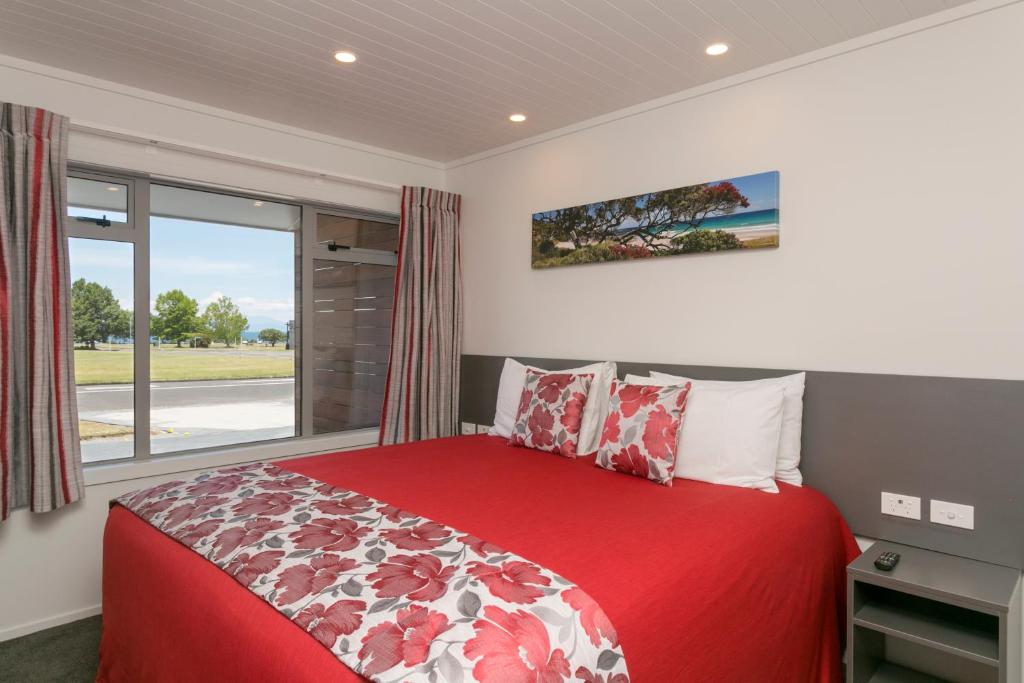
pixel 639 435
pixel 551 411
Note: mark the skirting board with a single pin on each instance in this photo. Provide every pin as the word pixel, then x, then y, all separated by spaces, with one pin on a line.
pixel 952 439
pixel 49 622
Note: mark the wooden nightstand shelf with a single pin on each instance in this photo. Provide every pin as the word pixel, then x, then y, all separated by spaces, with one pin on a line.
pixel 933 618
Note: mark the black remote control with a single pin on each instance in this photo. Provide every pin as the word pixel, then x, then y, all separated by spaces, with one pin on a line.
pixel 886 561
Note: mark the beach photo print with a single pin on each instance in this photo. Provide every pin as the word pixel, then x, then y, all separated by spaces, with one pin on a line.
pixel 724 215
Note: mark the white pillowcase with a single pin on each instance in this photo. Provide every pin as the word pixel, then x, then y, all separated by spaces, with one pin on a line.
pixel 787 462
pixel 510 388
pixel 730 434
pixel 648 381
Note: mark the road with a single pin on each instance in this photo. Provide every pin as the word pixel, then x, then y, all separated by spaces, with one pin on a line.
pixel 190 415
pixel 107 397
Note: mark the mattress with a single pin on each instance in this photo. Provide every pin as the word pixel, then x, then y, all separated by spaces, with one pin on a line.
pixel 703 582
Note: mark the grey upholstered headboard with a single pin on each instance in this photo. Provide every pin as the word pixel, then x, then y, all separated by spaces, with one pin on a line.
pixel 958 440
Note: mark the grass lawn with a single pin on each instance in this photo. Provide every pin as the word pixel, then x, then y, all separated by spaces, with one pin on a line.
pixel 101 430
pixel 169 364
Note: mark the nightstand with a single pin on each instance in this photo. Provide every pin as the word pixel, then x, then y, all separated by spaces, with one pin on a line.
pixel 933 618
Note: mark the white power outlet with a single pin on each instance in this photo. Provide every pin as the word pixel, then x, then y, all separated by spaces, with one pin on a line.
pixel 952 514
pixel 468 428
pixel 898 505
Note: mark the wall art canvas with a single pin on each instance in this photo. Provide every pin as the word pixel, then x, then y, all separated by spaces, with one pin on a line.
pixel 724 215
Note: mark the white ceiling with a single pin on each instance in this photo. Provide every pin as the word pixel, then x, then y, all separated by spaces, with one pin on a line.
pixel 435 78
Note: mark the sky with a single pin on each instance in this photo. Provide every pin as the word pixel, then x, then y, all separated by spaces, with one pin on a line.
pixel 761 189
pixel 253 266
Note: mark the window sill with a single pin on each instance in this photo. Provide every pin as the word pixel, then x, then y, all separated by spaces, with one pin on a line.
pixel 109 473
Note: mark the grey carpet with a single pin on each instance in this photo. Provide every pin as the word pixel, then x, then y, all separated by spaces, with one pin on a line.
pixel 68 654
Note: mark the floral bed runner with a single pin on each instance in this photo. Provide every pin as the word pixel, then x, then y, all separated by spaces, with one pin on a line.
pixel 395 596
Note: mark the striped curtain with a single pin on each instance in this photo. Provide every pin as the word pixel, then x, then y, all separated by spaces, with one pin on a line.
pixel 421 399
pixel 40 460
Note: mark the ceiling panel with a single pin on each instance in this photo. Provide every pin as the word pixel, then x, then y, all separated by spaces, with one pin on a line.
pixel 887 12
pixel 743 25
pixel 435 78
pixel 812 16
pixel 771 17
pixel 854 17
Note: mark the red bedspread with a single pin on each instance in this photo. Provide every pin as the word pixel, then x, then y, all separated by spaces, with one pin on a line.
pixel 702 582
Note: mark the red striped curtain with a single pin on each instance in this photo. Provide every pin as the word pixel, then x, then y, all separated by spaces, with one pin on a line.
pixel 421 400
pixel 40 459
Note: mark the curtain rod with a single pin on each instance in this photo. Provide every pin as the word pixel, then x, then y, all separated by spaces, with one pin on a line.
pixel 92 129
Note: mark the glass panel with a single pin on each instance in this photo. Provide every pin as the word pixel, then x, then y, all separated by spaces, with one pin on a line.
pixel 351 342
pixel 97 199
pixel 222 365
pixel 356 232
pixel 167 201
pixel 102 274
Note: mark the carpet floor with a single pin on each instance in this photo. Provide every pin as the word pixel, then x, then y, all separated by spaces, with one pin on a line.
pixel 68 653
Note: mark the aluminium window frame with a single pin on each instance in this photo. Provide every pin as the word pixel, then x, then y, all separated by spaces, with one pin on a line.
pixel 137 232
pixel 116 227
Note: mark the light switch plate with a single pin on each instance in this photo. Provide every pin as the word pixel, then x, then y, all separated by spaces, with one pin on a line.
pixel 899 505
pixel 952 514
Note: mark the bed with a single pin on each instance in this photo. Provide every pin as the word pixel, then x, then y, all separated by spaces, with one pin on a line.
pixel 703 582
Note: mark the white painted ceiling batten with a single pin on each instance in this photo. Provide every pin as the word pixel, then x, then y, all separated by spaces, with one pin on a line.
pixel 436 79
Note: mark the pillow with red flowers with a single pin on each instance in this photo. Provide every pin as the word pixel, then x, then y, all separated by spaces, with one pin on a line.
pixel 639 435
pixel 551 412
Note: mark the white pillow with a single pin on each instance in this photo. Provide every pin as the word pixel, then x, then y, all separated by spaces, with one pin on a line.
pixel 510 388
pixel 787 462
pixel 648 381
pixel 730 433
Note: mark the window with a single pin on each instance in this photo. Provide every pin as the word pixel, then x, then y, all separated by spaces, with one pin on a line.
pixel 102 309
pixel 351 343
pixel 222 354
pixel 93 200
pixel 353 288
pixel 348 232
pixel 222 278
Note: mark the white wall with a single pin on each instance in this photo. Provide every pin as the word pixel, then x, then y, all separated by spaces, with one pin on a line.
pixel 902 220
pixel 175 123
pixel 50 565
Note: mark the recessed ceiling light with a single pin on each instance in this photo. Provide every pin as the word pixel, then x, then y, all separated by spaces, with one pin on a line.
pixel 517 118
pixel 715 49
pixel 345 57
pixel 113 188
pixel 257 203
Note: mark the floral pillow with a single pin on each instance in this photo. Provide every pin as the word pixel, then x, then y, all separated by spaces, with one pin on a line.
pixel 639 435
pixel 551 411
